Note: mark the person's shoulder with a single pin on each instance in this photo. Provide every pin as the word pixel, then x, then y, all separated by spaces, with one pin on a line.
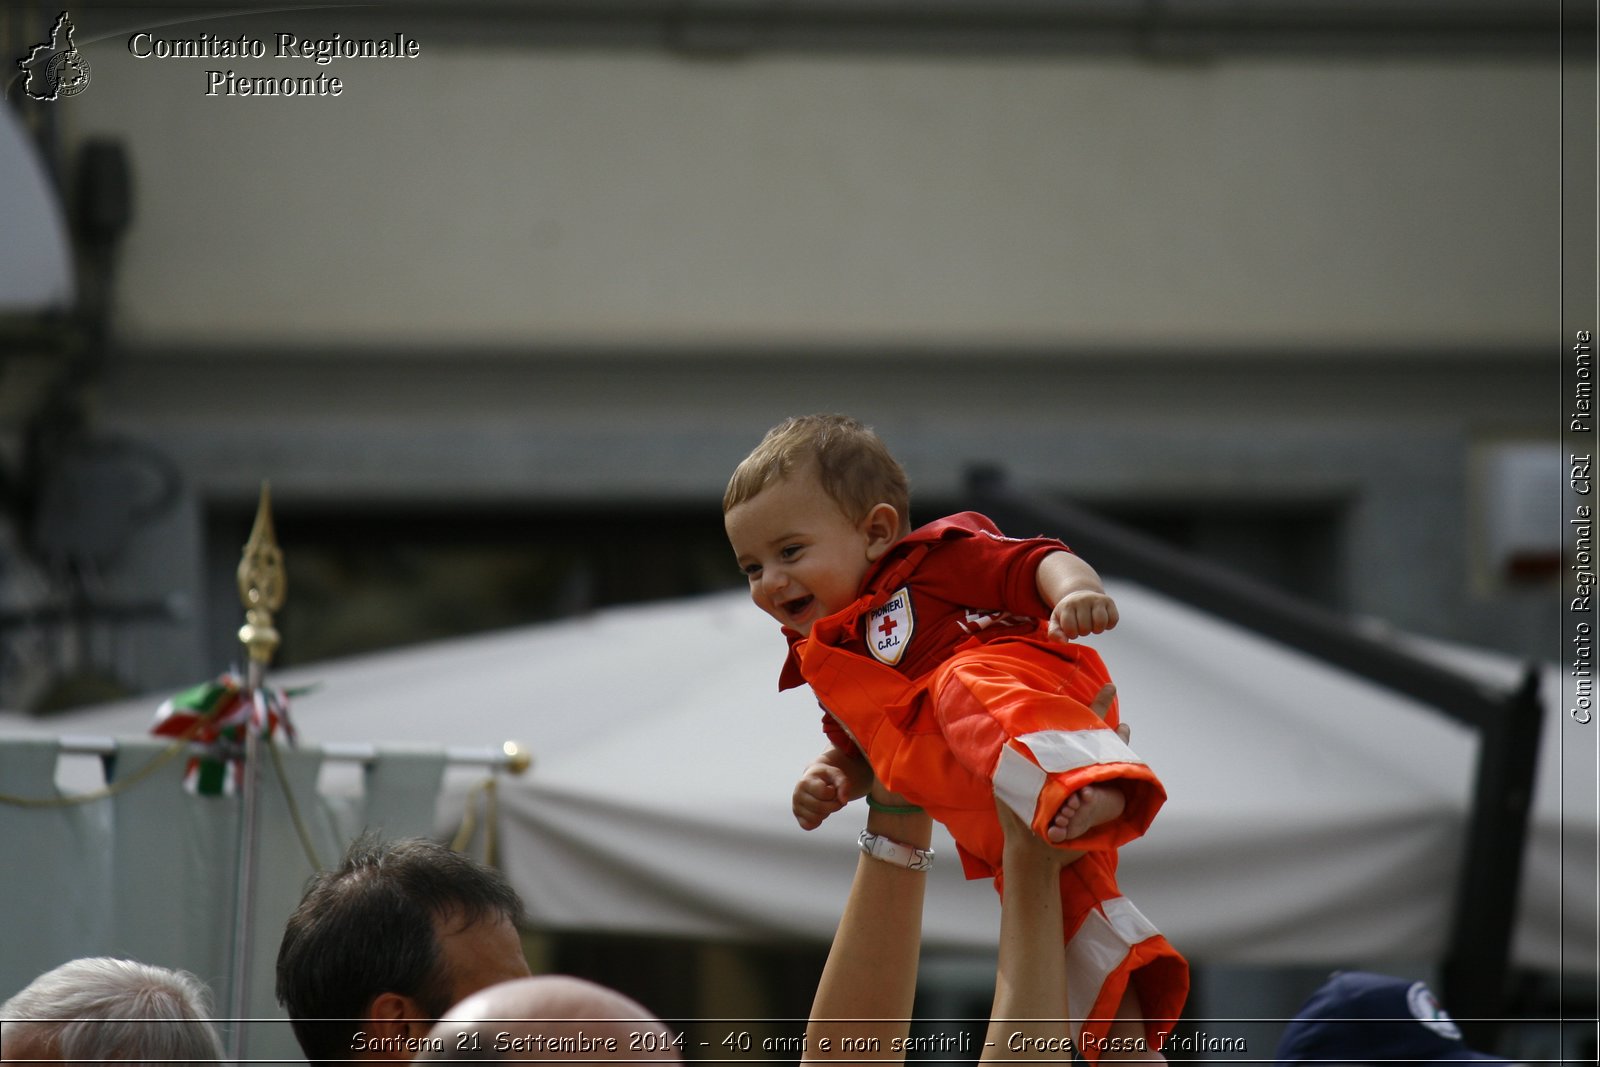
pixel 961 524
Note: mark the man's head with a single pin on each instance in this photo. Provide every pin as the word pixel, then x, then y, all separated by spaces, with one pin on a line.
pixel 808 512
pixel 99 1008
pixel 552 1017
pixel 387 942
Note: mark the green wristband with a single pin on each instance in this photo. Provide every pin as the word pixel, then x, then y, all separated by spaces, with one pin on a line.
pixel 892 809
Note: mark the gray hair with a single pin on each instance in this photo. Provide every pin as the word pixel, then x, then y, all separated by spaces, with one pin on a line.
pixel 100 1008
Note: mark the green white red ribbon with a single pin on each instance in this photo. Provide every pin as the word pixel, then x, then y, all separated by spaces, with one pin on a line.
pixel 221 714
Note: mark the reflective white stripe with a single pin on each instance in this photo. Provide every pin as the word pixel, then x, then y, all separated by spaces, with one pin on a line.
pixel 1093 955
pixel 1128 921
pixel 1095 952
pixel 1067 750
pixel 1018 781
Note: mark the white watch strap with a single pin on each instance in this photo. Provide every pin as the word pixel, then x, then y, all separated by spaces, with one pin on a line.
pixel 891 851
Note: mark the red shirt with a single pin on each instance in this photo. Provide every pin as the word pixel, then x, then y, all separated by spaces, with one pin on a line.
pixel 945 584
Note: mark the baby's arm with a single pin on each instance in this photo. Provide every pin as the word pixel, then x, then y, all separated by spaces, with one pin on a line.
pixel 834 778
pixel 1081 606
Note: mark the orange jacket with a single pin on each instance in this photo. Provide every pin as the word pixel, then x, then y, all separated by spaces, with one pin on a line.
pixel 973 698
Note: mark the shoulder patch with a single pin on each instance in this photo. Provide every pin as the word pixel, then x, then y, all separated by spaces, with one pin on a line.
pixel 889 627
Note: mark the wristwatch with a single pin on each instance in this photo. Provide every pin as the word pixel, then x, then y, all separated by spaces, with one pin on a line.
pixel 891 851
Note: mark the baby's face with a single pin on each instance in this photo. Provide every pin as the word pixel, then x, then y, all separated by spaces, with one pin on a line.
pixel 804 558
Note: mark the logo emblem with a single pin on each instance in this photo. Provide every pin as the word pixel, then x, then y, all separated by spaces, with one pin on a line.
pixel 889 628
pixel 1430 1013
pixel 55 69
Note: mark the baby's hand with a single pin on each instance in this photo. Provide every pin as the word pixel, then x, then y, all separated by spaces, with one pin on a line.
pixel 1082 613
pixel 831 782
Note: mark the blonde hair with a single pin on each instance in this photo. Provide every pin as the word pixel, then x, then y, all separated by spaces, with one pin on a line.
pixel 853 466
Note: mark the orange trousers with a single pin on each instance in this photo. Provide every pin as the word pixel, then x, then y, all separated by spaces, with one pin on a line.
pixel 1012 718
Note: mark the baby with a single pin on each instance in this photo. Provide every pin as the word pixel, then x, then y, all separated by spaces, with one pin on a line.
pixel 943 659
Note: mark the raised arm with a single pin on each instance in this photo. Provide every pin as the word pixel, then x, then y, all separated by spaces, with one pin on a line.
pixel 1028 1020
pixel 863 1003
pixel 870 979
pixel 869 982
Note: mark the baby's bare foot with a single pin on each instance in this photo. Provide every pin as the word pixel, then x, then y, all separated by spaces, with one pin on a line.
pixel 1084 810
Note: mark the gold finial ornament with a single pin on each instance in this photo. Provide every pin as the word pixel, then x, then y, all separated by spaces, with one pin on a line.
pixel 518 759
pixel 261 584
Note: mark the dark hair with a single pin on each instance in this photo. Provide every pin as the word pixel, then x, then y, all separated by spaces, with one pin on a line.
pixel 368 928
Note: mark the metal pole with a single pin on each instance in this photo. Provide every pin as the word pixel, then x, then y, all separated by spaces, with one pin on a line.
pixel 510 757
pixel 261 589
pixel 244 890
pixel 1239 599
pixel 1478 958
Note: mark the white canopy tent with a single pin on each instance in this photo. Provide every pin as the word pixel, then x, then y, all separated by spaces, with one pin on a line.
pixel 1313 818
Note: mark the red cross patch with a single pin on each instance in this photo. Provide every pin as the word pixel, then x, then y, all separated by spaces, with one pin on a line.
pixel 889 627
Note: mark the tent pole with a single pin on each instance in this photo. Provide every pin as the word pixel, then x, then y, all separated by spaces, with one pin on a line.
pixel 1478 956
